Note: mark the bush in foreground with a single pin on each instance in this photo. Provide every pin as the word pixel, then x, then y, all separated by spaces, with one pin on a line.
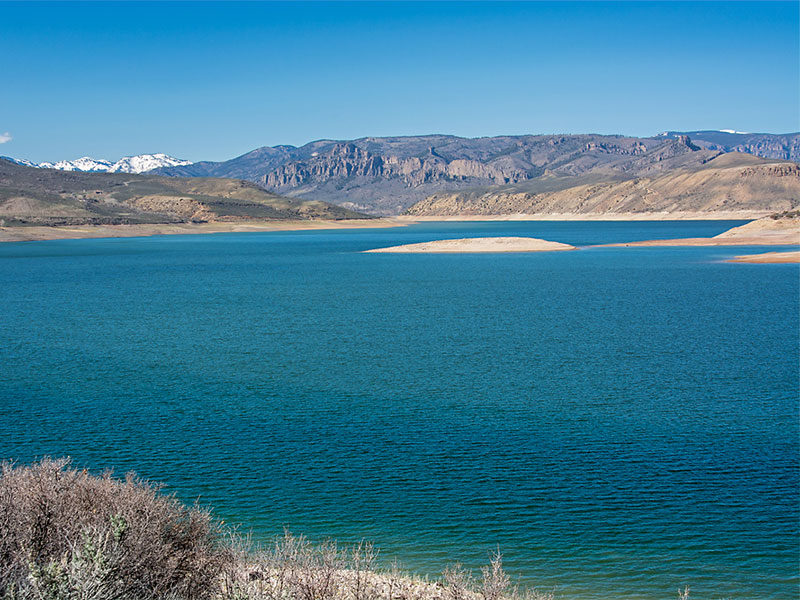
pixel 68 535
pixel 65 534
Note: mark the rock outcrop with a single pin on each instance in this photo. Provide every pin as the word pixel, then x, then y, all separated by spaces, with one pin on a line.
pixel 727 183
pixel 387 175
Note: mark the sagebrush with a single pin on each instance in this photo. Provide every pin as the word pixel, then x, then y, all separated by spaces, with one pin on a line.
pixel 69 535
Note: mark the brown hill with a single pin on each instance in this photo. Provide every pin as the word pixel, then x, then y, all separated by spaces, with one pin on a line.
pixel 727 183
pixel 31 196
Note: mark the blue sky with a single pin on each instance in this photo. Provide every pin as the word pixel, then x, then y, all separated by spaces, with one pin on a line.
pixel 214 80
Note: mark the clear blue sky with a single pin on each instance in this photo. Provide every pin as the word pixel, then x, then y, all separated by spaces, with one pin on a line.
pixel 214 80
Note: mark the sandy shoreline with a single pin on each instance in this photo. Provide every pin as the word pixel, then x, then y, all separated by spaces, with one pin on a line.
pixel 768 258
pixel 770 231
pixel 41 233
pixel 751 240
pixel 654 216
pixel 754 237
pixel 470 245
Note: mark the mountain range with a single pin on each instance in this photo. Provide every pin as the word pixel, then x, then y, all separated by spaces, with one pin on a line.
pixel 765 145
pixel 390 175
pixel 387 175
pixel 140 163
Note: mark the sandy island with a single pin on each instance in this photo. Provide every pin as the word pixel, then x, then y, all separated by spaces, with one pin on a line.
pixel 44 232
pixel 768 258
pixel 492 244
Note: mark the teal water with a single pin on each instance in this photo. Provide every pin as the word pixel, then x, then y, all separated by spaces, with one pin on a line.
pixel 620 421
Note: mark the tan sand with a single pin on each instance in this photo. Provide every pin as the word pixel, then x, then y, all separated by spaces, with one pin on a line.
pixel 768 257
pixel 766 231
pixel 495 244
pixel 37 233
pixel 650 216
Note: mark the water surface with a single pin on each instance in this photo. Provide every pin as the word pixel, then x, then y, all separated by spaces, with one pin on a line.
pixel 620 421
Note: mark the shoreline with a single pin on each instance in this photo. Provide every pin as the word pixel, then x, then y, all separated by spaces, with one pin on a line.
pixel 36 233
pixel 771 258
pixel 752 240
pixel 473 245
pixel 32 233
pixel 745 215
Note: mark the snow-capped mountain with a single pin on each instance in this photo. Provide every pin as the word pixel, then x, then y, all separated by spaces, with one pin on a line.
pixel 146 162
pixel 127 164
pixel 81 164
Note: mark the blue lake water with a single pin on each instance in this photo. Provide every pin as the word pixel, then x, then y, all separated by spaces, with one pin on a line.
pixel 619 421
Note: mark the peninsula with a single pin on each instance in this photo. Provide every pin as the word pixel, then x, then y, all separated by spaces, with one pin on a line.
pixel 781 229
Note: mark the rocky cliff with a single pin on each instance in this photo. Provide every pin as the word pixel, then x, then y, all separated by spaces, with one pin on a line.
pixel 387 175
pixel 729 182
pixel 766 145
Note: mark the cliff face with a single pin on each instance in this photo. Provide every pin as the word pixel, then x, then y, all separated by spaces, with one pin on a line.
pixel 730 182
pixel 387 175
pixel 784 146
pixel 347 160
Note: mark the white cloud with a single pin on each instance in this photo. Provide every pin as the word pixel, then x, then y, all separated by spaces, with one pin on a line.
pixel 5 137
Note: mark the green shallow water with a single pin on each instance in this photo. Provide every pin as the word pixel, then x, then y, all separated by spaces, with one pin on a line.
pixel 620 421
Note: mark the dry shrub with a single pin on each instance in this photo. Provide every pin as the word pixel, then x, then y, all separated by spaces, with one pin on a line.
pixel 293 568
pixel 65 534
pixel 68 535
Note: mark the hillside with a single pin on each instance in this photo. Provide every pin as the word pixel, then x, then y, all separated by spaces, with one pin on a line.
pixel 729 182
pixel 387 175
pixel 30 196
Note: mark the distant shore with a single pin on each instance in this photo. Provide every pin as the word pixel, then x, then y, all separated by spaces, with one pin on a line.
pixel 59 232
pixel 741 215
pixel 44 232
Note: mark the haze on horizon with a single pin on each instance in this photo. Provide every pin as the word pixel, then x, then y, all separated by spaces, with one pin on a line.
pixel 210 81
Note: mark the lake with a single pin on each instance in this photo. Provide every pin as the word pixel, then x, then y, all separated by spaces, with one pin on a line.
pixel 620 422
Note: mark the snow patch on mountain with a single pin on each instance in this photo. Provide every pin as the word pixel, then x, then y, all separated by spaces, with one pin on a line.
pixel 146 162
pixel 128 164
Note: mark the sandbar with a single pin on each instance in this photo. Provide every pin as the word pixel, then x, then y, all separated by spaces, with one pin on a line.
pixel 768 258
pixel 767 231
pixel 468 245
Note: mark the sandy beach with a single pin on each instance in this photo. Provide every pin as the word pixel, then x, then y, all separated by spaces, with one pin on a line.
pixel 467 245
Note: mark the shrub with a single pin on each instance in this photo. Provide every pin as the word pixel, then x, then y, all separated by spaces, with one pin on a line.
pixel 68 535
pixel 65 534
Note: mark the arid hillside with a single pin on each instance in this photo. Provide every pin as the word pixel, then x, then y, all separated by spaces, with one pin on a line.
pixel 30 196
pixel 728 182
pixel 387 175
